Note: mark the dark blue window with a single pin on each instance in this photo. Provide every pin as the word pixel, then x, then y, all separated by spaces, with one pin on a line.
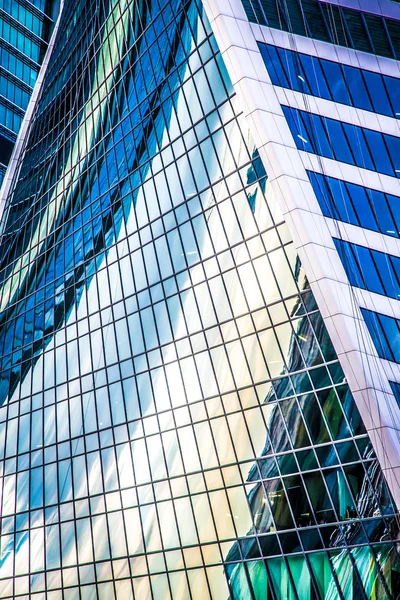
pixel 293 73
pixel 296 123
pixel 271 58
pixel 357 205
pixel 339 141
pixel 381 213
pixel 381 157
pixel 396 390
pixel 369 269
pixel 320 136
pixel 362 156
pixel 334 76
pixel 350 264
pixel 385 333
pixel 386 268
pixel 357 87
pixel 348 143
pixel 394 205
pixel 393 89
pixel 314 77
pixel 378 93
pixel 362 206
pixel 341 199
pixel 327 79
pixel 393 144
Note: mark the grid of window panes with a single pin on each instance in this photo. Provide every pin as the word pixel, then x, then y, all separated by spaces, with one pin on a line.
pixel 358 205
pixel 369 269
pixel 25 29
pixel 174 422
pixel 380 273
pixel 330 80
pixel 385 332
pixel 359 146
pixel 330 23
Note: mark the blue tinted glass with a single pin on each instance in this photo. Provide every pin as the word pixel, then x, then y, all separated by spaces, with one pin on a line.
pixel 368 269
pixel 350 263
pixel 394 204
pixel 321 189
pixel 393 88
pixel 342 200
pixel 324 195
pixel 271 59
pixel 382 344
pixel 338 141
pixel 327 79
pixel 366 264
pixel 300 132
pixel 290 63
pixel 377 92
pixel 347 143
pixel 391 329
pixel 357 205
pixel 381 158
pixel 362 206
pixel 381 212
pixel 319 135
pixel 358 146
pixel 315 76
pixel 395 260
pixel 356 85
pixel 385 268
pixel 393 144
pixel 337 85
pixel 396 390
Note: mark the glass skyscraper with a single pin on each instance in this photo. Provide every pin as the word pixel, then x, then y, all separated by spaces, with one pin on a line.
pixel 25 29
pixel 199 283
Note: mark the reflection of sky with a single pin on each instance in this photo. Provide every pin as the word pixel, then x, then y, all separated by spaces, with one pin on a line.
pixel 83 143
pixel 147 395
pixel 101 233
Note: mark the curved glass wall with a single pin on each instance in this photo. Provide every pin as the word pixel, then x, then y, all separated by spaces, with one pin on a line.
pixel 174 421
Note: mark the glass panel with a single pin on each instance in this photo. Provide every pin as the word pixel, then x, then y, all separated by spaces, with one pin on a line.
pixel 356 85
pixel 281 579
pixel 378 94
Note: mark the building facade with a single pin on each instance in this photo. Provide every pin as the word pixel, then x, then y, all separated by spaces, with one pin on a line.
pixel 25 30
pixel 198 370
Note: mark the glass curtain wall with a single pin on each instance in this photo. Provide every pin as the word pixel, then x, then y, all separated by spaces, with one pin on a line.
pixel 25 29
pixel 174 421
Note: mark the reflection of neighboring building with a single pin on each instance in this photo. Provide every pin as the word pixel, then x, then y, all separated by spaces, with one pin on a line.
pixel 178 419
pixel 332 500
